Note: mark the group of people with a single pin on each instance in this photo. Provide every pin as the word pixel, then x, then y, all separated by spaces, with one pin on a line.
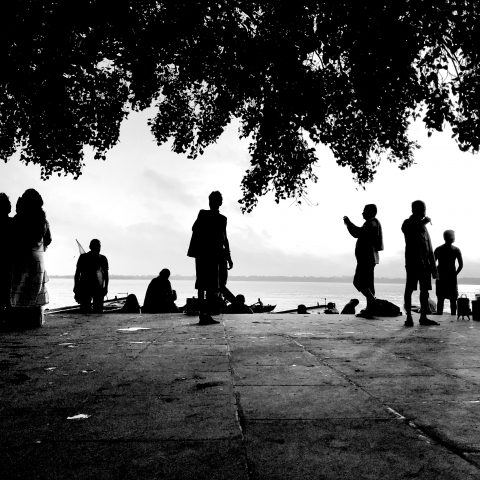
pixel 27 235
pixel 91 286
pixel 422 263
pixel 23 278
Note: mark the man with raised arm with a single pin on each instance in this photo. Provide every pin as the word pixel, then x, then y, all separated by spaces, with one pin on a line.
pixel 369 243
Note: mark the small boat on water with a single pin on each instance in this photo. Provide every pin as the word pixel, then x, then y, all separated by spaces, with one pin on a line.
pixel 116 304
pixel 260 307
pixel 313 307
pixel 109 306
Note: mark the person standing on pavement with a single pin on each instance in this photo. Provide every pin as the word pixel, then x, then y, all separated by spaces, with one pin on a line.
pixel 419 262
pixel 448 257
pixel 210 248
pixel 91 279
pixel 369 242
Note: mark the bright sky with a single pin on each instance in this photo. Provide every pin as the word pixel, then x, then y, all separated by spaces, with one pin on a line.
pixel 142 201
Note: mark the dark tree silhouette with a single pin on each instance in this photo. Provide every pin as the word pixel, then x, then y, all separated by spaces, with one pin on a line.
pixel 349 74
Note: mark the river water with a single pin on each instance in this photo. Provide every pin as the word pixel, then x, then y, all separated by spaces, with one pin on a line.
pixel 284 294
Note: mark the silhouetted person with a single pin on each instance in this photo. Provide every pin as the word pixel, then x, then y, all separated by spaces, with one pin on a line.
pixel 160 298
pixel 210 248
pixel 5 252
pixel 447 256
pixel 131 304
pixel 419 262
pixel 238 306
pixel 302 309
pixel 369 243
pixel 331 309
pixel 30 238
pixel 349 308
pixel 91 279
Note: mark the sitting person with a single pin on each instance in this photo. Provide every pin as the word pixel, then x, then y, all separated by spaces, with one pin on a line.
pixel 160 298
pixel 302 309
pixel 131 305
pixel 331 309
pixel 349 308
pixel 238 306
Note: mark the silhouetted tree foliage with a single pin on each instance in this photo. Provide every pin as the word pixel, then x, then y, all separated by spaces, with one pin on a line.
pixel 350 74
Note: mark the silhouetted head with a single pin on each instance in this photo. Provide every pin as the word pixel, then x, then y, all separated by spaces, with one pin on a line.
pixel 419 209
pixel 449 236
pixel 131 304
pixel 5 205
pixel 354 302
pixel 30 201
pixel 164 273
pixel 370 211
pixel 240 299
pixel 95 245
pixel 301 308
pixel 215 200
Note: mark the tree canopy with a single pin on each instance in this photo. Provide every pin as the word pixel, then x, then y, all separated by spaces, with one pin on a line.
pixel 349 74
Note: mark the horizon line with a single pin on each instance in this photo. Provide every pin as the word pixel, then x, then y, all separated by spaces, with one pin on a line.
pixel 275 278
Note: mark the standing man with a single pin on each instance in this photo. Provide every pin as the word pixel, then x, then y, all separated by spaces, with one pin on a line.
pixel 210 248
pixel 447 255
pixel 369 243
pixel 5 253
pixel 91 279
pixel 419 262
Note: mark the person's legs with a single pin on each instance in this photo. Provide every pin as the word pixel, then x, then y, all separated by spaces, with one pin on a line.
pixel 407 302
pixel 98 303
pixel 363 282
pixel 440 303
pixel 424 309
pixel 453 305
pixel 86 304
pixel 206 308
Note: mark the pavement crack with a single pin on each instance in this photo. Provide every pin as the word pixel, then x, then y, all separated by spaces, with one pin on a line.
pixel 239 414
pixel 427 434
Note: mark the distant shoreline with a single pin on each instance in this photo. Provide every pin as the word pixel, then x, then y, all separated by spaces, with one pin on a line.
pixel 277 278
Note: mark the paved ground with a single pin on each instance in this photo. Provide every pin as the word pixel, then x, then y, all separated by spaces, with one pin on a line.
pixel 256 397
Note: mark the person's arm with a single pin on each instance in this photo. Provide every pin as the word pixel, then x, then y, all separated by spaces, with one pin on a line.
pixel 106 278
pixel 435 255
pixel 460 261
pixel 47 236
pixel 148 298
pixel 77 276
pixel 227 249
pixel 352 228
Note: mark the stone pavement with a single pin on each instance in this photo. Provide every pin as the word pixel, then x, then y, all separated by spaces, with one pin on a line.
pixel 257 397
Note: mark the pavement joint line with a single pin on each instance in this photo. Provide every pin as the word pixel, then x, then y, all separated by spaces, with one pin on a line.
pixel 239 414
pixel 430 436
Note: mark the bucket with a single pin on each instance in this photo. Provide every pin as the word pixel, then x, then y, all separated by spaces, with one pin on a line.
pixel 463 306
pixel 476 310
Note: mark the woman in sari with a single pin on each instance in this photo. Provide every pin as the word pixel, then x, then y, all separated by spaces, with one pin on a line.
pixel 31 236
